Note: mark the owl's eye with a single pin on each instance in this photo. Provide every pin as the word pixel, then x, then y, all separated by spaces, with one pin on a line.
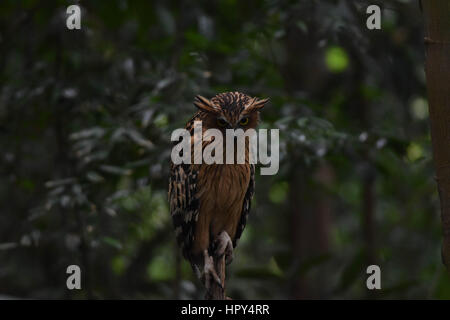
pixel 243 122
pixel 221 122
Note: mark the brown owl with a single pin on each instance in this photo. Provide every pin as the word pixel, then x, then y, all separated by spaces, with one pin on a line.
pixel 210 203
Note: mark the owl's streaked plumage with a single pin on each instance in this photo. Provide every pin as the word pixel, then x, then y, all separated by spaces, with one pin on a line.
pixel 206 200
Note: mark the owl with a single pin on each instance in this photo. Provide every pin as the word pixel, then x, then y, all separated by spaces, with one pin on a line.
pixel 210 203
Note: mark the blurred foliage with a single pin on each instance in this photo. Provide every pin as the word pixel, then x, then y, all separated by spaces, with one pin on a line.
pixel 85 124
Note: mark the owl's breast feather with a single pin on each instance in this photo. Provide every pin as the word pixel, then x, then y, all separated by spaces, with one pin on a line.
pixel 222 191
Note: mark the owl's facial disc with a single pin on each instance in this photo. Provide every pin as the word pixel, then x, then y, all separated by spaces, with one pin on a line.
pixel 223 123
pixel 233 123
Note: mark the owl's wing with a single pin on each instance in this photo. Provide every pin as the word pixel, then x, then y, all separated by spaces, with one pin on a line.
pixel 246 205
pixel 184 205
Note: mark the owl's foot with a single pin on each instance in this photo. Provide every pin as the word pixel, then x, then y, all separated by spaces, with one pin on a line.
pixel 209 272
pixel 224 246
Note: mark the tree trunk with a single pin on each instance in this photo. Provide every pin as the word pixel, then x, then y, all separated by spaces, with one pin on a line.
pixel 437 40
pixel 310 224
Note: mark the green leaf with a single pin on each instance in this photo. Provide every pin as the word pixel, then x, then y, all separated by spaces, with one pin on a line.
pixel 313 262
pixel 258 273
pixel 112 242
pixel 352 272
pixel 278 192
pixel 336 59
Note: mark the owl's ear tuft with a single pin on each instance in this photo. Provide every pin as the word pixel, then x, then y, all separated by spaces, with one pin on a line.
pixel 256 104
pixel 204 104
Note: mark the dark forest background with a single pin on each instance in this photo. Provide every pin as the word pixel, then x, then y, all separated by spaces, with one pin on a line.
pixel 85 123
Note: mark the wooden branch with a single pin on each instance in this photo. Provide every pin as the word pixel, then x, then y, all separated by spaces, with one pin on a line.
pixel 215 291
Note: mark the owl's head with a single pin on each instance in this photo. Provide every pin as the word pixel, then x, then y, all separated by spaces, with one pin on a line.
pixel 230 110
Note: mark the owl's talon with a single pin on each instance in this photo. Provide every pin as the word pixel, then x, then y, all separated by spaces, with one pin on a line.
pixel 209 272
pixel 224 245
